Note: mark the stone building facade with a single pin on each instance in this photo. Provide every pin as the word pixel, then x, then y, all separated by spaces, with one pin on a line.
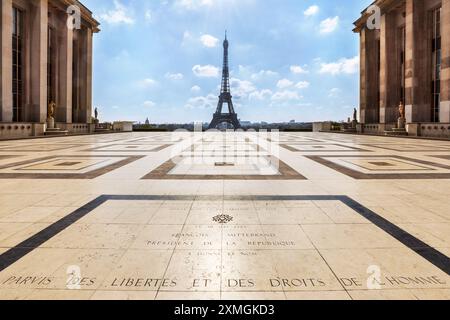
pixel 45 59
pixel 406 58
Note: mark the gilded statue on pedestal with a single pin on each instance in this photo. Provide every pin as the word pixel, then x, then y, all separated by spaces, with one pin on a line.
pixel 401 110
pixel 51 110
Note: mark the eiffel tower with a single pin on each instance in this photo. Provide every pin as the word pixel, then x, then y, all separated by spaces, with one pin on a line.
pixel 225 96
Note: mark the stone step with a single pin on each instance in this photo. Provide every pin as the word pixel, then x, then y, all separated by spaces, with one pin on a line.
pixel 400 133
pixel 103 130
pixel 53 132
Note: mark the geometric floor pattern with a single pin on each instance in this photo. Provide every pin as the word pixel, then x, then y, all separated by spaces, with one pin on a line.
pixel 225 216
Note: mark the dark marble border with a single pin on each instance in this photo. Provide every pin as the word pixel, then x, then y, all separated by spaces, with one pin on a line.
pixel 194 146
pixel 392 147
pixel 16 148
pixel 432 255
pixel 3 157
pixel 289 147
pixel 298 140
pixel 160 148
pixel 162 173
pixel 387 176
pixel 82 176
pixel 445 157
pixel 150 140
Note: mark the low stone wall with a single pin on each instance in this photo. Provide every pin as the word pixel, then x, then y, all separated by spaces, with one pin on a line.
pixel 375 128
pixel 20 130
pixel 123 126
pixel 76 128
pixel 426 130
pixel 28 130
pixel 434 130
pixel 321 126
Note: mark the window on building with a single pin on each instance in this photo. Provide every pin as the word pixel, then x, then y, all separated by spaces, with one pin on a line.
pixel 50 66
pixel 436 63
pixel 403 65
pixel 17 65
pixel 378 81
pixel 75 76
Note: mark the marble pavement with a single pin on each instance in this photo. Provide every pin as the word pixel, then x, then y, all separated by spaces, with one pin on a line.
pixel 224 216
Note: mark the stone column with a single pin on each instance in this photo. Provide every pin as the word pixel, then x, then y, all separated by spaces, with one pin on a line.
pixel 82 75
pixel 362 85
pixel 39 38
pixel 389 99
pixel 445 66
pixel 369 76
pixel 418 106
pixel 6 97
pixel 89 57
pixel 64 112
pixel 85 75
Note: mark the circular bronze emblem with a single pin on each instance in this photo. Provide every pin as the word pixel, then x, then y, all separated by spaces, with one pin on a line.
pixel 223 219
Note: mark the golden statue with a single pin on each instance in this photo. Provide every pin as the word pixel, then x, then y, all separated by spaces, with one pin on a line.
pixel 51 109
pixel 401 110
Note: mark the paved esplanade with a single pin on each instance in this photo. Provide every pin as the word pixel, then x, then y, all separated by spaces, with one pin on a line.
pixel 157 216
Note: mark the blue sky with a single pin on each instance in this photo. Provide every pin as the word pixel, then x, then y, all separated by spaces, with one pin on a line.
pixel 289 59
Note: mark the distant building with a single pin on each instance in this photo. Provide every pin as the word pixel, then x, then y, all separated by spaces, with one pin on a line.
pixel 147 122
pixel 407 60
pixel 43 61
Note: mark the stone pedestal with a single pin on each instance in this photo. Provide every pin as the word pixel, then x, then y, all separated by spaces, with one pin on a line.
pixel 401 124
pixel 50 123
pixel 400 130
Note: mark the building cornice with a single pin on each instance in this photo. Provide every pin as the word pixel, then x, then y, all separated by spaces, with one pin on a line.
pixel 86 14
pixel 384 5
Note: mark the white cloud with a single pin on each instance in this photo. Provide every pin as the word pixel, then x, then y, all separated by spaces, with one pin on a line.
pixel 149 104
pixel 284 83
pixel 147 83
pixel 334 92
pixel 187 39
pixel 207 71
pixel 329 25
pixel 241 88
pixel 174 76
pixel 302 85
pixel 343 66
pixel 119 15
pixel 201 102
pixel 198 5
pixel 286 95
pixel 263 74
pixel 298 70
pixel 186 35
pixel 209 41
pixel 196 89
pixel 148 16
pixel 311 11
pixel 193 4
pixel 260 95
